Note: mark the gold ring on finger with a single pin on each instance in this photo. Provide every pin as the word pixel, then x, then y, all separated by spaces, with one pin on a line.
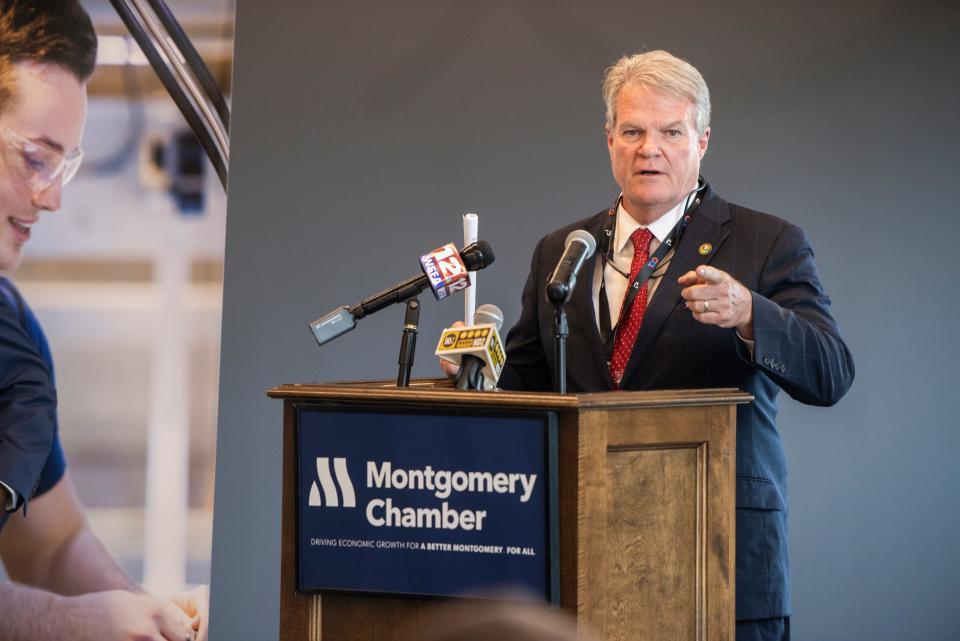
pixel 706 306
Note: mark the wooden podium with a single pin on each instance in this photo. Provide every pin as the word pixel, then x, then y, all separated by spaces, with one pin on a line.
pixel 646 502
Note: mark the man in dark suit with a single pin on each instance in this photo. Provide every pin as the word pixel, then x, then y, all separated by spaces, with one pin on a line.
pixel 64 583
pixel 724 297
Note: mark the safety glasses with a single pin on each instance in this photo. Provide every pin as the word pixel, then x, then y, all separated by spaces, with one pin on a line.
pixel 38 164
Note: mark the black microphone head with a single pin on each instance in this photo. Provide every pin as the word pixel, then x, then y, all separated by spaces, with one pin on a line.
pixel 477 255
pixel 488 314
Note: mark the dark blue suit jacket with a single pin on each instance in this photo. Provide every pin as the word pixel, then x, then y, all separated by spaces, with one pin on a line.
pixel 798 349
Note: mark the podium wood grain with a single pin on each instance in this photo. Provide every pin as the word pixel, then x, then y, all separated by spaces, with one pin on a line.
pixel 646 500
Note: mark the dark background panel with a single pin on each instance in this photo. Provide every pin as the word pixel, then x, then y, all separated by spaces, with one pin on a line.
pixel 362 131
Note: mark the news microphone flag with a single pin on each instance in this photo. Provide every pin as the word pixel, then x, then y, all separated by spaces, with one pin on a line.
pixel 445 271
pixel 482 341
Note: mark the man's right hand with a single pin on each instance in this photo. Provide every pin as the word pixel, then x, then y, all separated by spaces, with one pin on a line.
pixel 451 369
pixel 119 615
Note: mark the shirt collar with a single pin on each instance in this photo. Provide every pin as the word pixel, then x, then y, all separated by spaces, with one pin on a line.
pixel 660 228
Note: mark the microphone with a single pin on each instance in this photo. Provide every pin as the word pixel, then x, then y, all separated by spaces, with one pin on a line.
pixel 476 348
pixel 488 314
pixel 445 272
pixel 580 245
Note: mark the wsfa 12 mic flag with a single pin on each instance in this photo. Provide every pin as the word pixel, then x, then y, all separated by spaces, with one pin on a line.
pixel 445 271
pixel 476 348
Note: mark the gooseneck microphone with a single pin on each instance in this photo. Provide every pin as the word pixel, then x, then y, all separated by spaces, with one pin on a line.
pixel 580 245
pixel 445 272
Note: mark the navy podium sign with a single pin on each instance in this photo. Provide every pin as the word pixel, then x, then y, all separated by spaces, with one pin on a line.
pixel 391 501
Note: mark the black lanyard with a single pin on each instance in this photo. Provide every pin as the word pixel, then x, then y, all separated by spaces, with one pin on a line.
pixel 673 238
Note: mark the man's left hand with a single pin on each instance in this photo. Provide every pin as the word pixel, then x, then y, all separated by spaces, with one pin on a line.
pixel 196 604
pixel 717 298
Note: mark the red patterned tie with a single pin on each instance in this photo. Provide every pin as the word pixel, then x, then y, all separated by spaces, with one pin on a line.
pixel 630 326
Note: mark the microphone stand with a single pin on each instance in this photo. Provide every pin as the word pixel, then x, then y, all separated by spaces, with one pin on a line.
pixel 560 332
pixel 408 342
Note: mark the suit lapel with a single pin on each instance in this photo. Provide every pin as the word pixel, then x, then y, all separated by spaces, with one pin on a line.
pixel 706 226
pixel 582 301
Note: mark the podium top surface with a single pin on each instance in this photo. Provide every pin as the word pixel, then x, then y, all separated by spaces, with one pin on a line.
pixel 440 391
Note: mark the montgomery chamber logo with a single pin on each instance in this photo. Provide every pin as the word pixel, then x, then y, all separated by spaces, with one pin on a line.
pixel 330 498
pixel 438 483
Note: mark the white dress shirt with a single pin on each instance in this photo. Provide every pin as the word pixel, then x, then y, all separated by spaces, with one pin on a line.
pixel 615 282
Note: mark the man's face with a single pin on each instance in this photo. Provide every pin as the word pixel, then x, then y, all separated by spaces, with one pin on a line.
pixel 655 150
pixel 49 108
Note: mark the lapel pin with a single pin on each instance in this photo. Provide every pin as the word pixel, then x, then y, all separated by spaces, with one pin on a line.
pixel 705 249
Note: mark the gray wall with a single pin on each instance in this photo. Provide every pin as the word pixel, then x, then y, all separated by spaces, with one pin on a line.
pixel 363 130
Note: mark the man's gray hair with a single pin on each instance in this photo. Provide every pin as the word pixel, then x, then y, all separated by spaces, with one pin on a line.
pixel 661 71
